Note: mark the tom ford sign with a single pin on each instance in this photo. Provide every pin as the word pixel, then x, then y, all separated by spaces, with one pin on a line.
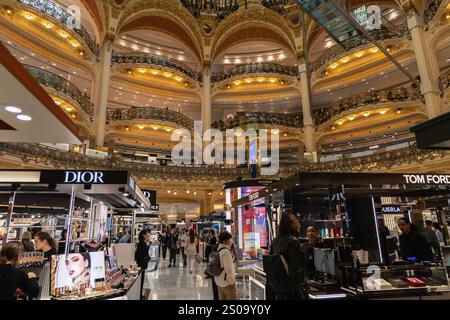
pixel 439 179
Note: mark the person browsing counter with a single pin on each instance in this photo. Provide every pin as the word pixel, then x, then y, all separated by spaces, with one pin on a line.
pixel 45 243
pixel 12 278
pixel 412 243
pixel 226 281
pixel 141 256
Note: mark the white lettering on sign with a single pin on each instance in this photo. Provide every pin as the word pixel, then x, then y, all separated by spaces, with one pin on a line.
pixel 390 209
pixel 83 177
pixel 147 194
pixel 427 179
pixel 253 196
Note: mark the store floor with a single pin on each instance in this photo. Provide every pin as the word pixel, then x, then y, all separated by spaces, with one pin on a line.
pixel 176 283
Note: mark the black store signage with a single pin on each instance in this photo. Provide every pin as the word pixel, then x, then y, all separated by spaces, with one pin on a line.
pixel 84 177
pixel 150 195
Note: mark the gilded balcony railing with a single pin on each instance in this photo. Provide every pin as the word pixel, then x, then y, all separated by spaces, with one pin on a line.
pixel 380 35
pixel 292 120
pixel 58 12
pixel 432 9
pixel 387 95
pixel 141 58
pixel 275 5
pixel 63 86
pixel 444 81
pixel 218 8
pixel 255 68
pixel 28 153
pixel 149 113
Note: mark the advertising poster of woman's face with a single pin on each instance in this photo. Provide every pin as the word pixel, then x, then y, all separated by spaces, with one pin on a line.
pixel 78 266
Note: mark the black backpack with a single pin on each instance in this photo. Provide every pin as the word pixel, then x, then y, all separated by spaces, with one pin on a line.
pixel 213 267
pixel 277 270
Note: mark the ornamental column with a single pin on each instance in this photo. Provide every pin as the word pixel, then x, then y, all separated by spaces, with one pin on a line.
pixel 101 92
pixel 308 122
pixel 427 65
pixel 206 98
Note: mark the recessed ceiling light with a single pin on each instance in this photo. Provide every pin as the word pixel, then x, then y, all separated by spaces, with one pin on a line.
pixel 24 117
pixel 13 109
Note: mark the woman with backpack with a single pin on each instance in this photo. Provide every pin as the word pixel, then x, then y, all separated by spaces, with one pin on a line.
pixel 226 280
pixel 191 250
pixel 285 265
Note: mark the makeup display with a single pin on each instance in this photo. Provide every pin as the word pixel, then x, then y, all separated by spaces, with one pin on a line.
pixel 84 276
pixel 31 260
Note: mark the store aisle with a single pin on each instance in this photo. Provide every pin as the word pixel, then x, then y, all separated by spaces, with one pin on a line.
pixel 177 283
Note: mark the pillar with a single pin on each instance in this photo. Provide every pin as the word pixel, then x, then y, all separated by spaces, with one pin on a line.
pixel 206 99
pixel 427 65
pixel 308 122
pixel 101 92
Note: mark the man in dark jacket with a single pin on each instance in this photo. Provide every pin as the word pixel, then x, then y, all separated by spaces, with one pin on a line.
pixel 412 243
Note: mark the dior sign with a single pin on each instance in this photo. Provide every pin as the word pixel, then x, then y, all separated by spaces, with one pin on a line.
pixel 86 177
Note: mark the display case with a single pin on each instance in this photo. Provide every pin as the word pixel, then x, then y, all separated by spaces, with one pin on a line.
pixel 402 281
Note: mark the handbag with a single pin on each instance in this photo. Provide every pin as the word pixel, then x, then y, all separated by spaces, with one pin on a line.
pixel 198 259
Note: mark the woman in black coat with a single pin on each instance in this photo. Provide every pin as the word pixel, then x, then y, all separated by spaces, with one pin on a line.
pixel 12 278
pixel 141 256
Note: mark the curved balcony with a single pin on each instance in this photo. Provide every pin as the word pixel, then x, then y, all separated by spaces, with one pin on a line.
pixel 156 61
pixel 218 8
pixel 150 113
pixel 59 13
pixel 380 35
pixel 255 68
pixel 432 9
pixel 39 154
pixel 63 86
pixel 291 120
pixel 387 95
pixel 444 81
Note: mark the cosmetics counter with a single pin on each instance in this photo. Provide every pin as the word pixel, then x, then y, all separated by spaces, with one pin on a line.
pixel 345 209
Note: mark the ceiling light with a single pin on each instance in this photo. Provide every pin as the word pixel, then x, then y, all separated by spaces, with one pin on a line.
pixel 8 11
pixel 48 25
pixel 187 191
pixel 237 60
pixel 281 56
pixel 155 128
pixel 195 193
pixel 345 60
pixel 178 79
pixel 141 70
pixel 75 44
pixel 141 127
pixel 351 118
pixel 69 109
pixel 259 59
pixel 366 114
pixel 28 16
pixel 270 58
pixel 334 66
pixel 359 54
pixel 13 109
pixel 236 83
pixel 24 117
pixel 374 50
pixel 175 193
pixel 167 74
pixel 168 191
pixel 383 111
pixel 340 123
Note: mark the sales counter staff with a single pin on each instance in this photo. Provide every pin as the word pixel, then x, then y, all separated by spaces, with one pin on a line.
pixel 412 243
pixel 314 241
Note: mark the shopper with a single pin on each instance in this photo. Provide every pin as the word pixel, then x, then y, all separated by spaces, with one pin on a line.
pixel 412 243
pixel 27 244
pixel 45 243
pixel 191 251
pixel 141 256
pixel 182 242
pixel 12 278
pixel 288 284
pixel 384 233
pixel 62 242
pixel 226 281
pixel 173 246
pixel 439 235
pixel 212 241
pixel 126 237
pixel 430 235
pixel 314 241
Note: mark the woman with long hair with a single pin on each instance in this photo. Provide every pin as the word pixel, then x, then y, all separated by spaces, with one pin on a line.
pixel 45 243
pixel 27 244
pixel 191 249
pixel 141 256
pixel 12 278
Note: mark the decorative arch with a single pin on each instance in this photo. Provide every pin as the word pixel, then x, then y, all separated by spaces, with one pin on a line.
pixel 96 10
pixel 441 36
pixel 261 24
pixel 178 19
